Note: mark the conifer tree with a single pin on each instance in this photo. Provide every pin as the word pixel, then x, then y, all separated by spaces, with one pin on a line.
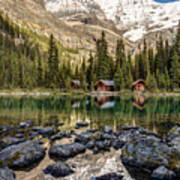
pixel 119 79
pixel 120 52
pixel 90 72
pixel 102 58
pixel 40 73
pixel 175 70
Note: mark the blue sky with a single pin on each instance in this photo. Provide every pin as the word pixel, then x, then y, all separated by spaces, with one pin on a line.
pixel 166 1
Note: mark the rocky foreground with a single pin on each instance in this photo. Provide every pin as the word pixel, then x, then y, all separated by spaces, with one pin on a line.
pixel 31 152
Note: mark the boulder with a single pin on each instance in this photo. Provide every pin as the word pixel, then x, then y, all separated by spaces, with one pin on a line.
pixel 66 151
pixel 6 174
pixel 107 129
pixel 45 131
pixel 5 142
pixel 175 145
pixel 174 132
pixel 26 124
pixel 22 155
pixel 163 173
pixel 90 144
pixel 59 169
pixel 82 124
pixel 110 176
pixel 103 145
pixel 148 152
pixel 84 137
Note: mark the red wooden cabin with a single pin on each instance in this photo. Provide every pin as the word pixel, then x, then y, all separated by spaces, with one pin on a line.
pixel 104 85
pixel 139 85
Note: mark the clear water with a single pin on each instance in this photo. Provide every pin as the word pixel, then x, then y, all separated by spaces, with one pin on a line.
pixel 158 114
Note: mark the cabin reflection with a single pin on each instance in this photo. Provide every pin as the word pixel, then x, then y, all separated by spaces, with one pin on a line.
pixel 75 103
pixel 139 102
pixel 104 102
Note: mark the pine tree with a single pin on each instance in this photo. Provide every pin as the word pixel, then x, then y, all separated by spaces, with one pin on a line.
pixel 90 72
pixel 102 58
pixel 83 75
pixel 175 71
pixel 53 64
pixel 40 73
pixel 151 82
pixel 119 79
pixel 120 52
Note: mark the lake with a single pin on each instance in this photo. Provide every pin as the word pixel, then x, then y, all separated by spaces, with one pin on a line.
pixel 155 113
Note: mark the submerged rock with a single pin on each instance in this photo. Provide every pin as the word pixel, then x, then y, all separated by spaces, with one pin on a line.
pixel 59 169
pixel 163 173
pixel 82 124
pixel 6 174
pixel 22 155
pixel 26 124
pixel 67 150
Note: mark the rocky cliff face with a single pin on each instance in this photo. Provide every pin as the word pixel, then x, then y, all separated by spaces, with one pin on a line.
pixel 78 23
pixel 135 18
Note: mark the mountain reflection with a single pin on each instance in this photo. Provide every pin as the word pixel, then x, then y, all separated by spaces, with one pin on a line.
pixel 154 113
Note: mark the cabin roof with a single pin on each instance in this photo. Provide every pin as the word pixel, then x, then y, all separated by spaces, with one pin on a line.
pixel 138 81
pixel 106 82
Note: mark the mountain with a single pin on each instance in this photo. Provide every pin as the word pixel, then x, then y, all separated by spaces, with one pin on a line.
pixel 76 24
pixel 135 18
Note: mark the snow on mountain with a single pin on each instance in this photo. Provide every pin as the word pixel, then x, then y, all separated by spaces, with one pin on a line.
pixel 135 17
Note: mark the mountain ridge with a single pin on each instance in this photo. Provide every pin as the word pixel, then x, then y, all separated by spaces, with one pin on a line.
pixel 77 31
pixel 135 18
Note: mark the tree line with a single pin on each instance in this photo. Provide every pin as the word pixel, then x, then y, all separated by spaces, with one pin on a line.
pixel 23 63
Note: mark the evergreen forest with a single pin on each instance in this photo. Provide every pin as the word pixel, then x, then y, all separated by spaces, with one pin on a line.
pixel 24 64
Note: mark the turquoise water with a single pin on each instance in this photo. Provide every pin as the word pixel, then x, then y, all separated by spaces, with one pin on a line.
pixel 157 114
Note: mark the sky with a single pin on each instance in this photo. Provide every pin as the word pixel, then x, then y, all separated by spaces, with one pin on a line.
pixel 166 1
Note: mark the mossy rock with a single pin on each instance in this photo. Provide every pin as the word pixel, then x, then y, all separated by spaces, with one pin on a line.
pixel 13 158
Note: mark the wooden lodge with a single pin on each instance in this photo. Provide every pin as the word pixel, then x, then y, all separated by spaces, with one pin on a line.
pixel 139 102
pixel 75 84
pixel 104 102
pixel 104 85
pixel 139 85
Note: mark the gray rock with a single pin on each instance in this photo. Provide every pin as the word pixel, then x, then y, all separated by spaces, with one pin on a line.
pixel 110 176
pixel 11 141
pixel 84 137
pixel 59 169
pixel 163 173
pixel 22 155
pixel 25 124
pixel 90 144
pixel 82 124
pixel 175 144
pixel 107 129
pixel 147 152
pixel 174 132
pixel 46 131
pixel 6 174
pixel 67 150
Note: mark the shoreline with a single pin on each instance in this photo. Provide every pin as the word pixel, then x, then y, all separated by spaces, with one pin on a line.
pixel 37 93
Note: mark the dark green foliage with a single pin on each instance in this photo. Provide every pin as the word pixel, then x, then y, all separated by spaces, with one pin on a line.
pixel 23 63
pixel 119 79
pixel 102 58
